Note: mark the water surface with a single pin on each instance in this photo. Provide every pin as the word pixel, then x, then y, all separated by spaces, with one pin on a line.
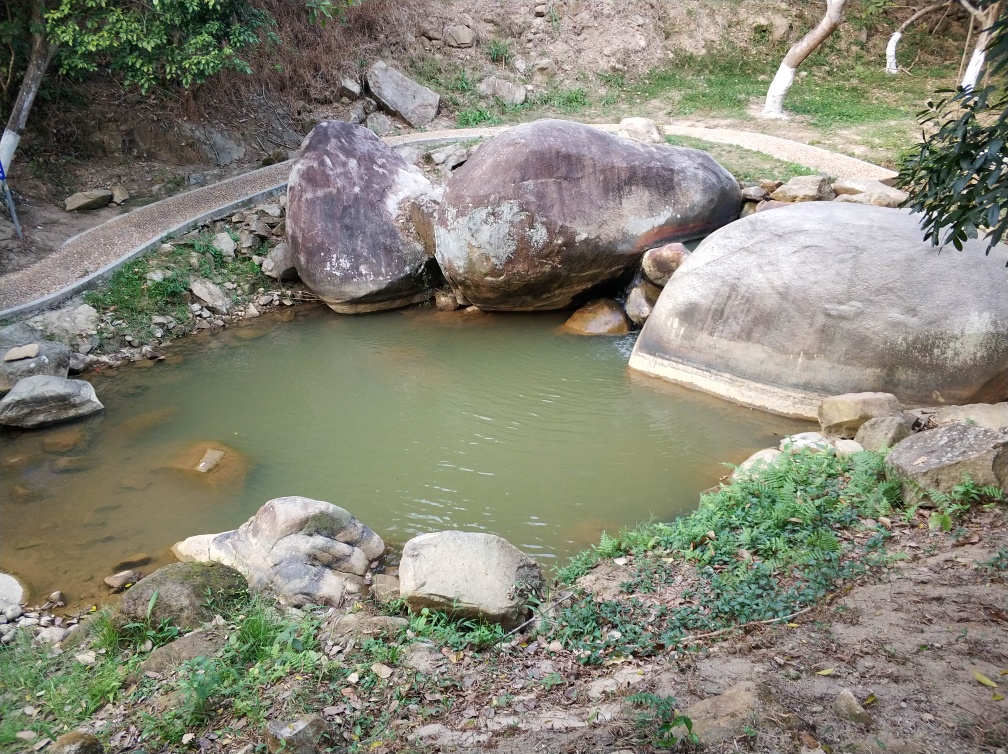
pixel 413 420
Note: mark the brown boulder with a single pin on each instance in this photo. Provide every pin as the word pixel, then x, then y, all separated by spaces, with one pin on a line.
pixel 547 211
pixel 601 317
pixel 659 264
pixel 348 221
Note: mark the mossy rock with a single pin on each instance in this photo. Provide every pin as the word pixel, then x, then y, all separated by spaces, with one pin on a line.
pixel 76 742
pixel 188 595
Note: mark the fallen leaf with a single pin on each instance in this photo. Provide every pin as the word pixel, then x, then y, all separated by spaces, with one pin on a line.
pixel 996 697
pixel 825 671
pixel 793 625
pixel 870 700
pixel 981 678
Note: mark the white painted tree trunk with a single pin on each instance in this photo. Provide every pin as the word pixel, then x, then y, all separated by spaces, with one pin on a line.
pixel 890 53
pixel 41 54
pixel 774 107
pixel 976 64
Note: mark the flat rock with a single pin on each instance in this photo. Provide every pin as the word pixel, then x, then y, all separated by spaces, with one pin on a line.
pixel 867 191
pixel 725 717
pixel 210 460
pixel 780 310
pixel 119 581
pixel 210 295
pixel 506 91
pixel 883 432
pixel 471 575
pixel 804 188
pixel 17 353
pixel 989 415
pixel 600 317
pixel 364 625
pixel 459 36
pixel 399 94
pixel 843 415
pixel 68 325
pixel 301 736
pixel 660 264
pixel 44 399
pixel 225 244
pixel 94 199
pixel 939 459
pixel 349 221
pixel 512 236
pixel 169 656
pixel 305 551
pixel 640 129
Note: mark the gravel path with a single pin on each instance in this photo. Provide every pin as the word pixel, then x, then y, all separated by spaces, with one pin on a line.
pixel 95 254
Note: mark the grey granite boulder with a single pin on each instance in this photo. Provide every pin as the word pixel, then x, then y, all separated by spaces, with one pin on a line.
pixel 546 212
pixel 94 199
pixel 188 594
pixel 399 94
pixel 305 551
pixel 990 415
pixel 940 459
pixel 350 221
pixel 44 399
pixel 783 309
pixel 842 415
pixel 51 358
pixel 883 432
pixel 471 575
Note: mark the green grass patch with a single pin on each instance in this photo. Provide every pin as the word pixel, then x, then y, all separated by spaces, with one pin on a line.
pixel 157 283
pixel 745 164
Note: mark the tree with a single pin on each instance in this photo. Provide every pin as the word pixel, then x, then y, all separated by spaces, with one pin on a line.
pixel 774 107
pixel 148 42
pixel 958 178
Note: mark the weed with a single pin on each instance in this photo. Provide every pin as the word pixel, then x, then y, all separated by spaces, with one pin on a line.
pixel 479 116
pixel 500 52
pixel 455 634
pixel 659 720
pixel 999 562
pixel 139 633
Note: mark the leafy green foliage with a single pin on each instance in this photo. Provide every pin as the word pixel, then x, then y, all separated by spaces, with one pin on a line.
pixel 958 179
pixel 758 549
pixel 500 52
pixel 154 42
pixel 458 635
pixel 322 11
pixel 477 116
pixel 660 719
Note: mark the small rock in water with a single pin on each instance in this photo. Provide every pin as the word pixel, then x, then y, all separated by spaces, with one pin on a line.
pixel 210 461
pixel 17 353
pixel 57 598
pixel 119 581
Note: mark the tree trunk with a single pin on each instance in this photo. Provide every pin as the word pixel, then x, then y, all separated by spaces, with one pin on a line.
pixel 891 66
pixel 774 107
pixel 41 54
pixel 986 20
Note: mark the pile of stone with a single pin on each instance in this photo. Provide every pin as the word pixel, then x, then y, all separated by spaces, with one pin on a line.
pixel 45 627
pixel 769 194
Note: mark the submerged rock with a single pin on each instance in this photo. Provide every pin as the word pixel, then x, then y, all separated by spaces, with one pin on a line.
pixel 782 309
pixel 349 221
pixel 471 575
pixel 547 211
pixel 44 399
pixel 306 551
pixel 601 317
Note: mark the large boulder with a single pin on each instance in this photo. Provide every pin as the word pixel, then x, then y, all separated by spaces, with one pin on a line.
pixel 940 459
pixel 305 551
pixel 348 221
pixel 413 102
pixel 843 415
pixel 992 416
pixel 782 309
pixel 883 432
pixel 601 317
pixel 549 210
pixel 471 575
pixel 188 594
pixel 44 399
pixel 50 358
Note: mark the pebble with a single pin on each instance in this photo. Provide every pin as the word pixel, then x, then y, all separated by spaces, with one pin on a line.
pixel 13 612
pixel 28 622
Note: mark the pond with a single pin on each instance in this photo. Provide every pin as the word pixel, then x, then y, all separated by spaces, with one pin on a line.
pixel 412 420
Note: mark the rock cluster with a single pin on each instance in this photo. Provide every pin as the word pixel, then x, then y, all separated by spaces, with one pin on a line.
pixel 819 188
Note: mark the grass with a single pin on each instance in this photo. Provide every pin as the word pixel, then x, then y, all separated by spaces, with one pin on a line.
pixel 129 298
pixel 745 164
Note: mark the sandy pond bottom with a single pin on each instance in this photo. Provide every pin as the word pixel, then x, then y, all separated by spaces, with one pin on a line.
pixel 414 421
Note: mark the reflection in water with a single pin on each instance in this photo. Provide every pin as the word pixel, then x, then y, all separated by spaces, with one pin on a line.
pixel 413 421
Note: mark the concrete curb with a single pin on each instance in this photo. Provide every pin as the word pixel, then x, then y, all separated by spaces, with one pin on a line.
pixel 814 157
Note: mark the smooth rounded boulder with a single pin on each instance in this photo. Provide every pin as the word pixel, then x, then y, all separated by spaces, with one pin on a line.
pixel 547 211
pixel 349 225
pixel 783 309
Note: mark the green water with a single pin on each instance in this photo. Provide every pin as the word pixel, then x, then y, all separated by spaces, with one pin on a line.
pixel 413 420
